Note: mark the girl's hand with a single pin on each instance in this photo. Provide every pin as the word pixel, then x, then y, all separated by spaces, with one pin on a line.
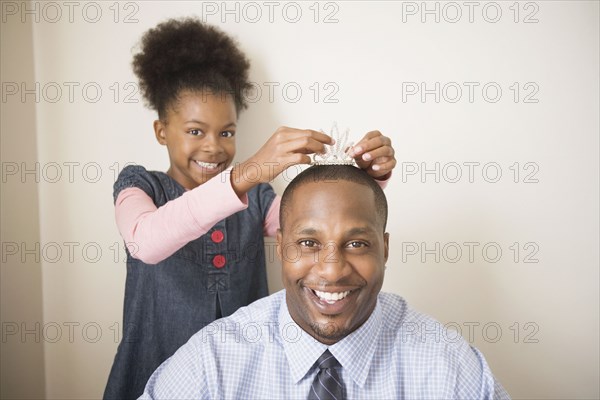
pixel 287 147
pixel 375 155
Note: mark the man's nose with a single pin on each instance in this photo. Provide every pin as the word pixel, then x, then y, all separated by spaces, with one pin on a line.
pixel 331 263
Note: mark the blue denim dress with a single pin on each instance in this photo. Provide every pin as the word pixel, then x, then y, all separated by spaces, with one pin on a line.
pixel 209 278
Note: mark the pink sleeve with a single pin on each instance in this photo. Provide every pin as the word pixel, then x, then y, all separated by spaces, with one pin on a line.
pixel 384 182
pixel 152 234
pixel 272 221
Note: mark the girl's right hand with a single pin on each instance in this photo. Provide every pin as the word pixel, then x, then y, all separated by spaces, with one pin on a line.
pixel 287 147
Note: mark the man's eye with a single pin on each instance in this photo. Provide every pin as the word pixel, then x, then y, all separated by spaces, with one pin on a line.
pixel 356 244
pixel 227 134
pixel 195 132
pixel 307 243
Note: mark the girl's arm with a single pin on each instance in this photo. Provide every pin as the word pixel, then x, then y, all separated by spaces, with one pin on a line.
pixel 152 234
pixel 272 221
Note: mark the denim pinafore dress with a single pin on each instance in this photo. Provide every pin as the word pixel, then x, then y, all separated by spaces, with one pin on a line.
pixel 209 278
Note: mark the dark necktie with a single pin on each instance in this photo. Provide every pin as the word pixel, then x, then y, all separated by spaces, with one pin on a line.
pixel 327 384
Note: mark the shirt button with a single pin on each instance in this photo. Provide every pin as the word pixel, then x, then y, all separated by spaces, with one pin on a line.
pixel 219 261
pixel 217 236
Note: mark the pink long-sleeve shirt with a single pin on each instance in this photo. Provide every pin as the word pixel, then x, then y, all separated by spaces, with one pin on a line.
pixel 157 233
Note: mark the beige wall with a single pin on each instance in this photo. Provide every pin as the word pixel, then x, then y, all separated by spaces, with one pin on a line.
pixel 546 310
pixel 22 348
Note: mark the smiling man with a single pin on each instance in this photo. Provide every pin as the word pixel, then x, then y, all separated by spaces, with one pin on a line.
pixel 330 333
pixel 333 247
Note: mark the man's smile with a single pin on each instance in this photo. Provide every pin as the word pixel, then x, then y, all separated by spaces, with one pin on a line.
pixel 331 302
pixel 331 297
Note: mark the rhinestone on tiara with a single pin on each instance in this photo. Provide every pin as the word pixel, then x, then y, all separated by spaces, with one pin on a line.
pixel 337 153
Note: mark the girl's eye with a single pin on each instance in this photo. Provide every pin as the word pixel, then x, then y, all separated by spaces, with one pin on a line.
pixel 307 243
pixel 195 132
pixel 227 134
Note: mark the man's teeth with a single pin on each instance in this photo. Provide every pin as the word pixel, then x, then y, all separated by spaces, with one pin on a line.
pixel 207 164
pixel 331 297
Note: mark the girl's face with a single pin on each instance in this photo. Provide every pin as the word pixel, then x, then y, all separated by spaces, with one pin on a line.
pixel 200 136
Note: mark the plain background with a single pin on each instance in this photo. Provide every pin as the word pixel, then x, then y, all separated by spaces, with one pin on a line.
pixel 493 205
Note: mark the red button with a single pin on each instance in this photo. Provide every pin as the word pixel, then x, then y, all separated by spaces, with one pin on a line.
pixel 217 236
pixel 219 261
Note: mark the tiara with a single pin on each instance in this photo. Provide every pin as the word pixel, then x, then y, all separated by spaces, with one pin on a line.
pixel 337 153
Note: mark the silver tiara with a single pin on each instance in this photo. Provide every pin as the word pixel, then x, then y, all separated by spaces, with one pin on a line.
pixel 337 153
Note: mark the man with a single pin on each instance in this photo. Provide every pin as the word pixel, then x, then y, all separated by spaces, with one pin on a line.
pixel 330 333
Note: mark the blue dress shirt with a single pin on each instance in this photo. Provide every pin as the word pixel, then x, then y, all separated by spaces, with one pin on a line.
pixel 259 352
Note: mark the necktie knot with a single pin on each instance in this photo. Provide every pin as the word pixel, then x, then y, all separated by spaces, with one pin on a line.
pixel 327 360
pixel 328 384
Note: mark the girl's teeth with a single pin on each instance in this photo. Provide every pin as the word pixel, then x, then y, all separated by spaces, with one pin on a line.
pixel 331 297
pixel 207 164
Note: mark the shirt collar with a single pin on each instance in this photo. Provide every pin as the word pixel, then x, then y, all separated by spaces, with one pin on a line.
pixel 354 352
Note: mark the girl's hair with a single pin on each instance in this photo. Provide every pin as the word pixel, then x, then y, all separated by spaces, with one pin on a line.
pixel 188 55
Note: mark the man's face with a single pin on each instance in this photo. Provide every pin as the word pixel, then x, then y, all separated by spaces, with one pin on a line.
pixel 333 252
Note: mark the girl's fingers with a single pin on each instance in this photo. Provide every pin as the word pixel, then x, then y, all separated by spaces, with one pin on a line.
pixel 304 145
pixel 384 167
pixel 296 158
pixel 306 142
pixel 385 151
pixel 294 134
pixel 371 135
pixel 321 137
pixel 371 141
pixel 381 160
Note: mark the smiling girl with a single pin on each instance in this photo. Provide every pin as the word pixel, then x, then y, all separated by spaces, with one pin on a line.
pixel 194 234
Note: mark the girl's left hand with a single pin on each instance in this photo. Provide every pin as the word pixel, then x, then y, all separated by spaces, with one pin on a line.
pixel 375 155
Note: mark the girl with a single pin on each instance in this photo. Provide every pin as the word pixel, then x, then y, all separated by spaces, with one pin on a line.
pixel 195 233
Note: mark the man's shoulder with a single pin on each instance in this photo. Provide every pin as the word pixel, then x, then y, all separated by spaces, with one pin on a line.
pixel 424 344
pixel 263 310
pixel 413 328
pixel 252 324
pixel 396 311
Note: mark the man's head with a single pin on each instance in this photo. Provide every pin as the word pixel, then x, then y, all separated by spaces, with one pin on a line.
pixel 333 248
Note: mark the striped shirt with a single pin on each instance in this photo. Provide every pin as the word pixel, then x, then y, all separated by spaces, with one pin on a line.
pixel 259 352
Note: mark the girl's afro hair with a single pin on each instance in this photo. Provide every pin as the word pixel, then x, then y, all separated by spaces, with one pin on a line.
pixel 186 54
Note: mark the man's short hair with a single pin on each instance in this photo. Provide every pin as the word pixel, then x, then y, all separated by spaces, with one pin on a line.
pixel 328 175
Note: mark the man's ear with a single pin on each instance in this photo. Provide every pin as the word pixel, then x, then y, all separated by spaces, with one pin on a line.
pixel 386 245
pixel 279 244
pixel 160 132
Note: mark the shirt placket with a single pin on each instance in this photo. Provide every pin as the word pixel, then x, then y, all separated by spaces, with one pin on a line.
pixel 217 259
